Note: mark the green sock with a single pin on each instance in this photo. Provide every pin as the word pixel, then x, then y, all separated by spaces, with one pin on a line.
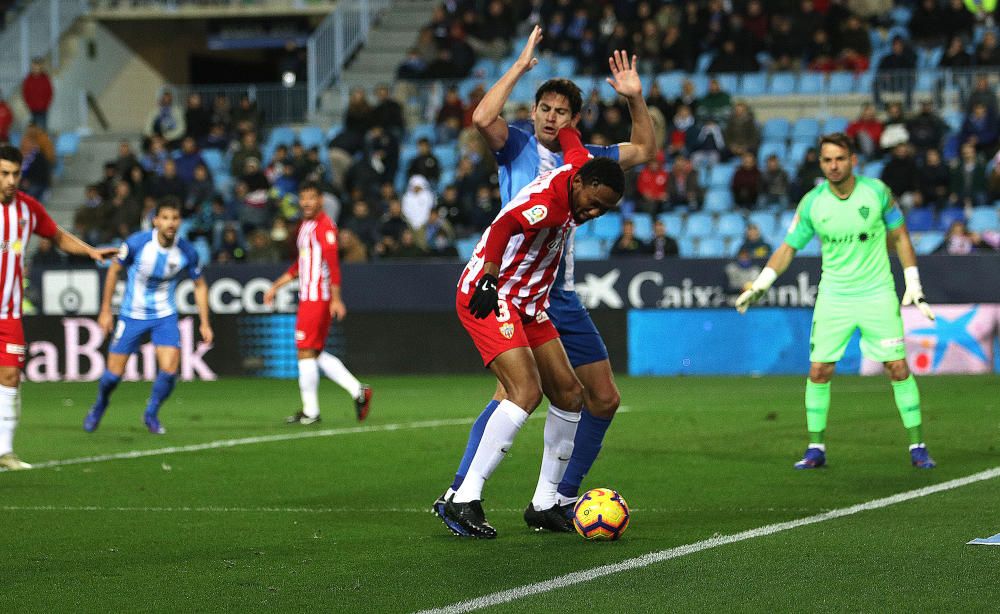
pixel 908 402
pixel 817 408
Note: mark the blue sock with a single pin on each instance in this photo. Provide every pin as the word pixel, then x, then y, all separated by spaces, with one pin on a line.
pixel 105 386
pixel 475 436
pixel 587 443
pixel 162 388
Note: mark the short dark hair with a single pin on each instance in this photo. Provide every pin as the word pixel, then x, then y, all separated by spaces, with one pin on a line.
pixel 563 87
pixel 603 171
pixel 168 202
pixel 11 154
pixel 839 139
pixel 310 185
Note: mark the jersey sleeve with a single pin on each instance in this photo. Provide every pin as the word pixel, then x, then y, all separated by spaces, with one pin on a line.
pixel 605 151
pixel 891 215
pixel 801 230
pixel 193 265
pixel 44 225
pixel 128 249
pixel 516 140
pixel 574 153
pixel 330 255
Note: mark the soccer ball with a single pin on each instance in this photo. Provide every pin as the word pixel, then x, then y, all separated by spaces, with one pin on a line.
pixel 601 514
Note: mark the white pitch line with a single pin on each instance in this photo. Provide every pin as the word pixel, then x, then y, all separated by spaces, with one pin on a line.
pixel 652 558
pixel 232 443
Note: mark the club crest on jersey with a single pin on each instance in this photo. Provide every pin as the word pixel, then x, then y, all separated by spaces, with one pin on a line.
pixel 507 330
pixel 330 237
pixel 123 251
pixel 864 211
pixel 535 214
pixel 4 246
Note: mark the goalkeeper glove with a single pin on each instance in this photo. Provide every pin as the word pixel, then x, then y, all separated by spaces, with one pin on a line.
pixel 914 293
pixel 759 287
pixel 485 298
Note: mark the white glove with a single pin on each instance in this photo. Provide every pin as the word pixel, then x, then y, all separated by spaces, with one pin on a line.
pixel 914 293
pixel 759 287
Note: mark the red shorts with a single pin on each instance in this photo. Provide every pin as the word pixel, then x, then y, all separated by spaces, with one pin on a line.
pixel 496 334
pixel 312 325
pixel 12 348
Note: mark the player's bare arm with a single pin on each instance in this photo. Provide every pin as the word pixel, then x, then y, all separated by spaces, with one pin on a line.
pixel 488 114
pixel 625 79
pixel 338 311
pixel 71 244
pixel 201 302
pixel 776 265
pixel 278 283
pixel 899 239
pixel 105 319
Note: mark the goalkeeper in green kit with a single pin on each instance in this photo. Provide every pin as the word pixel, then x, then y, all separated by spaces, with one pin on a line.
pixel 856 219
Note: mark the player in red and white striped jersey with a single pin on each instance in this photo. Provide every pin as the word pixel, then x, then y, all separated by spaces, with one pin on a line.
pixel 318 269
pixel 501 300
pixel 20 216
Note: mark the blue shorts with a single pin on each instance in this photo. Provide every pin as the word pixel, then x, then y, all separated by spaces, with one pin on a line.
pixel 129 333
pixel 579 335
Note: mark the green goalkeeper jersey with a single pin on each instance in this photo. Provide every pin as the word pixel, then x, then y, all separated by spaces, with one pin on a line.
pixel 852 232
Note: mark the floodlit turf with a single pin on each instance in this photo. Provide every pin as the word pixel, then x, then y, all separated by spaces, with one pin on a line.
pixel 340 522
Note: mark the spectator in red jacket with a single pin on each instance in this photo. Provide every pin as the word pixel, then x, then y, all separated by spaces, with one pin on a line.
pixel 866 130
pixel 6 119
pixel 37 93
pixel 652 185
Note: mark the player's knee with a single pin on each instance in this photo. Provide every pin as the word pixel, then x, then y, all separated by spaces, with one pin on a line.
pixel 897 369
pixel 820 373
pixel 569 397
pixel 527 396
pixel 603 403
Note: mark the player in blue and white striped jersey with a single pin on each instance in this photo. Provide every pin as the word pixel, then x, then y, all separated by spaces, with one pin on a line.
pixel 155 260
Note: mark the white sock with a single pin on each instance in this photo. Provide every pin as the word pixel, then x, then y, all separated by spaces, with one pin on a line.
pixel 560 431
pixel 498 436
pixel 8 418
pixel 819 446
pixel 335 370
pixel 308 385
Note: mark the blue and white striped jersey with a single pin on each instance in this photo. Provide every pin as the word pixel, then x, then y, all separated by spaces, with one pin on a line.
pixel 521 160
pixel 153 272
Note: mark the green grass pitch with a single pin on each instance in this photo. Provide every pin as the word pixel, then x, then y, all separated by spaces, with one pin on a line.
pixel 341 522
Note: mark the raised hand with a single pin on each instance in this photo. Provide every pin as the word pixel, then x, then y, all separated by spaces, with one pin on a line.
pixel 624 75
pixel 527 59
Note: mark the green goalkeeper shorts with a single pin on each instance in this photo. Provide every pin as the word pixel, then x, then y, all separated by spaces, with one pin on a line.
pixel 836 316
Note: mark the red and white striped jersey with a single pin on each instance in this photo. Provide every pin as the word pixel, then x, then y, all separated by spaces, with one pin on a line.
pixel 318 264
pixel 18 219
pixel 543 220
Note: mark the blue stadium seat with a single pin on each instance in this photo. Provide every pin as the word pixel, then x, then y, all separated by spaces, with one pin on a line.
pixel 281 135
pixel 670 83
pixel 466 247
pixel 811 83
pixel 717 200
pixel 643 226
pixel 776 128
pixel 710 247
pixel 506 63
pixel 524 92
pixel 721 175
pixel 700 84
pixel 704 60
pixel 586 83
pixel 926 242
pixel 698 225
pixel 785 220
pixel 485 69
pixel 783 84
pixel 984 218
pixel 926 80
pixel 805 130
pixel 900 15
pixel 312 136
pixel 607 227
pixel 920 219
pixel 777 148
pixel 67 144
pixel 731 224
pixel 673 221
pixel 728 82
pixel 796 153
pixel 564 67
pixel 419 131
pixel 685 245
pixel 589 248
pixel 447 155
pixel 873 169
pixel 203 250
pixel 835 124
pixel 949 215
pixel 753 84
pixel 765 221
pixel 213 160
pixel 841 82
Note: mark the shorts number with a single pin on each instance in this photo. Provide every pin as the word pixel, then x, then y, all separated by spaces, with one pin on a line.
pixel 504 314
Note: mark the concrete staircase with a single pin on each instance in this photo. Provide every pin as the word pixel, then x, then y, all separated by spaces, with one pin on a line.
pixel 86 167
pixel 376 62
